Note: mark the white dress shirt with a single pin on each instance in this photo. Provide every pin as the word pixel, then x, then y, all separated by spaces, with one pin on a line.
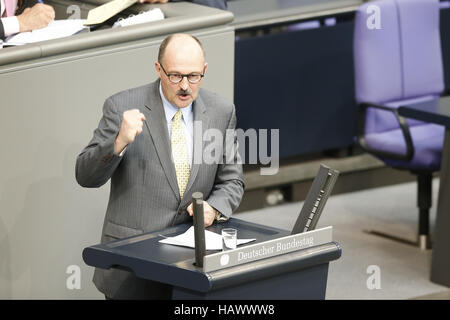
pixel 10 24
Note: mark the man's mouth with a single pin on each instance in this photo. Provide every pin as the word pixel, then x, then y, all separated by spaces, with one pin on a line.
pixel 183 95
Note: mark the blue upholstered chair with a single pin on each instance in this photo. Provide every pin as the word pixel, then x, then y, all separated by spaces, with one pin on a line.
pixel 400 64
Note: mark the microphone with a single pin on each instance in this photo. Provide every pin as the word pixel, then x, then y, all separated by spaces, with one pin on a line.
pixel 199 228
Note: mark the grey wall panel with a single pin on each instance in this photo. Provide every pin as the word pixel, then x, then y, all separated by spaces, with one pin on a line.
pixel 49 108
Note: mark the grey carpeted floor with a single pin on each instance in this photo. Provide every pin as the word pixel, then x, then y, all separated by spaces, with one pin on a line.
pixel 404 269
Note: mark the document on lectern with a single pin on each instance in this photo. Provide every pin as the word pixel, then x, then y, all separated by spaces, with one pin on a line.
pixel 55 30
pixel 213 240
pixel 107 10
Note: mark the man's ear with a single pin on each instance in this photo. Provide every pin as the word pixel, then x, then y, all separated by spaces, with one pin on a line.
pixel 158 68
pixel 205 67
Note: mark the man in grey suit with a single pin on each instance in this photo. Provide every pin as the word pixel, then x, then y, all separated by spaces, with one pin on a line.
pixel 138 144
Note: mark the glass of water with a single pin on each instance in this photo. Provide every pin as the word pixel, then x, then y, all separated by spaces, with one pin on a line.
pixel 229 239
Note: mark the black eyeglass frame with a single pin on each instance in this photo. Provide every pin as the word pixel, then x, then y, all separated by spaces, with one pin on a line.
pixel 182 76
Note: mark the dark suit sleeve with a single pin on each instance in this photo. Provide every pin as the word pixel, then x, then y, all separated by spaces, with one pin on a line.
pixel 97 162
pixel 25 4
pixel 2 31
pixel 228 187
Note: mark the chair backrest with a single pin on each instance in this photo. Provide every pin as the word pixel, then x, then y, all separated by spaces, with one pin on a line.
pixel 400 60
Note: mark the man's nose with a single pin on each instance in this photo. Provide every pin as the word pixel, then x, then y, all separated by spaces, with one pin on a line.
pixel 184 83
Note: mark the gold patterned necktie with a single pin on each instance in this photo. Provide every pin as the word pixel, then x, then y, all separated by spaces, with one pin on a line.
pixel 180 152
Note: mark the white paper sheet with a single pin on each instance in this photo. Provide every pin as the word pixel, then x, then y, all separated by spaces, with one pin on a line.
pixel 105 11
pixel 213 240
pixel 149 16
pixel 55 30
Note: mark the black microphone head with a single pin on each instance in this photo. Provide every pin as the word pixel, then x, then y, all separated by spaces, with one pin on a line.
pixel 197 196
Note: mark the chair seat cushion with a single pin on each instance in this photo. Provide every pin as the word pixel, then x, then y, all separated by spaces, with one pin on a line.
pixel 428 140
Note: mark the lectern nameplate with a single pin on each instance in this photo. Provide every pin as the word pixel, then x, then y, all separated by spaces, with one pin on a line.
pixel 267 249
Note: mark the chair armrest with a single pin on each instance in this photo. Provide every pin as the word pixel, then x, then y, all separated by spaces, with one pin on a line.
pixel 361 123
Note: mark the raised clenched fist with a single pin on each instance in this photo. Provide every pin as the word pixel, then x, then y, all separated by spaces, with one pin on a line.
pixel 131 126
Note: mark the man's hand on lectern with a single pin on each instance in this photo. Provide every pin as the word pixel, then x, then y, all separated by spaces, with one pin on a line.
pixel 208 212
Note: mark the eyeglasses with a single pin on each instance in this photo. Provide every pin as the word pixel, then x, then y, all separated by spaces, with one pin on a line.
pixel 177 77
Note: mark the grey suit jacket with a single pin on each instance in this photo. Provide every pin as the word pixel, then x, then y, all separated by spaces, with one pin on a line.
pixel 144 193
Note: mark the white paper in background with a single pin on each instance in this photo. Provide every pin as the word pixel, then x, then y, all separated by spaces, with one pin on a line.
pixel 107 10
pixel 148 16
pixel 55 30
pixel 213 240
